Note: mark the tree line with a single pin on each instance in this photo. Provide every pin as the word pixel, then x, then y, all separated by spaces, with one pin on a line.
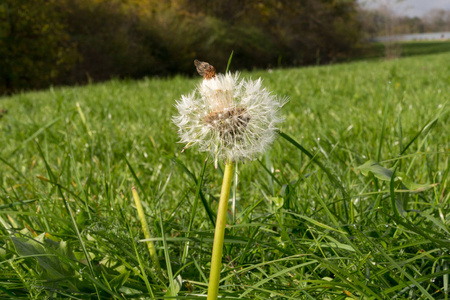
pixel 54 42
pixel 65 42
pixel 384 21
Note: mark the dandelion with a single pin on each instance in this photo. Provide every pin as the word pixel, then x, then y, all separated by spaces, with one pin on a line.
pixel 233 119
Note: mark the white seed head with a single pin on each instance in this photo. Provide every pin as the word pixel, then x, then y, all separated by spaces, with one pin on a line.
pixel 240 121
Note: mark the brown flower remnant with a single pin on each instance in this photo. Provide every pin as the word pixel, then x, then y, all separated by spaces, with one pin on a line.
pixel 204 69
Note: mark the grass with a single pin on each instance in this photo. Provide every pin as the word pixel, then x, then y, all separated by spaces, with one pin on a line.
pixel 406 49
pixel 313 219
pixel 425 47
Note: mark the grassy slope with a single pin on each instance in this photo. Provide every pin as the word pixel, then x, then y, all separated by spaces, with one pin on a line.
pixel 297 233
pixel 377 50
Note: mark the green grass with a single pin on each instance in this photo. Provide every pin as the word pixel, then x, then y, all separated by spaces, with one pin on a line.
pixel 428 47
pixel 304 229
pixel 413 48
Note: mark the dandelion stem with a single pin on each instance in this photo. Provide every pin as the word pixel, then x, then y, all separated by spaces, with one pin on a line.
pixel 150 245
pixel 219 234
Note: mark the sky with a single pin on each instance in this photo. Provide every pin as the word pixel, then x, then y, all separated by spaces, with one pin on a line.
pixel 411 7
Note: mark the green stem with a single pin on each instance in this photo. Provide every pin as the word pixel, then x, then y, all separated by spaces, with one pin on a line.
pixel 219 234
pixel 150 245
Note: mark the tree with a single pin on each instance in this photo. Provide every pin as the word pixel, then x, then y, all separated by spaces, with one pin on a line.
pixel 34 48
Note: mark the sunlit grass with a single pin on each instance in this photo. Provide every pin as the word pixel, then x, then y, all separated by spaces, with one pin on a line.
pixel 304 229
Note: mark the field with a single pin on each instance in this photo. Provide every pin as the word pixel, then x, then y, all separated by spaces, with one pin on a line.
pixel 309 221
pixel 377 50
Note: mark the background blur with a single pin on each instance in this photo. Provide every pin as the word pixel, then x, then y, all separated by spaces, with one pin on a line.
pixel 54 42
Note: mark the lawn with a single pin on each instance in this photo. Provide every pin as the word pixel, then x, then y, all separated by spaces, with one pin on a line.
pixel 312 220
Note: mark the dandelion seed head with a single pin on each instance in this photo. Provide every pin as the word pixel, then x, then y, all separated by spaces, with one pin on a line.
pixel 231 118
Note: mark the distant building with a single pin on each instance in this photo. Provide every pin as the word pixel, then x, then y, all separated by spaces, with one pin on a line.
pixel 431 36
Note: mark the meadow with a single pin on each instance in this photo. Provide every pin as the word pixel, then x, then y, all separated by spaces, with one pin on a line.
pixel 351 202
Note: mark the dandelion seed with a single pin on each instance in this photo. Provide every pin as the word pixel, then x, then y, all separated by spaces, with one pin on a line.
pixel 231 118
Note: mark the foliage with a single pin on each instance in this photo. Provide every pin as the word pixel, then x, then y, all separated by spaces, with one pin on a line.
pixel 437 20
pixel 309 223
pixel 137 38
pixel 35 49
